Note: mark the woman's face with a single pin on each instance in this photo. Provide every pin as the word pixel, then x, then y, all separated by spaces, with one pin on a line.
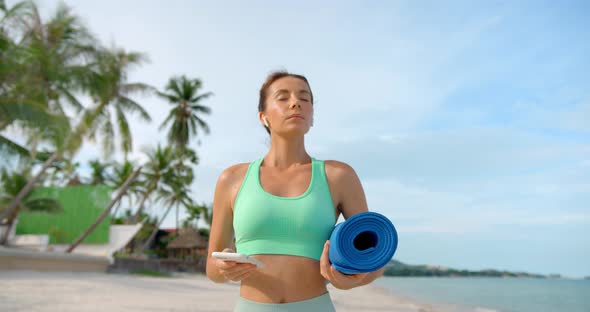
pixel 289 110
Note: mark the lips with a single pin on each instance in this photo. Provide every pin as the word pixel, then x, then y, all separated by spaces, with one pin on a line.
pixel 295 116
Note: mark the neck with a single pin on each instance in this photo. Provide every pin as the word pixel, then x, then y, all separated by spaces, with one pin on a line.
pixel 286 152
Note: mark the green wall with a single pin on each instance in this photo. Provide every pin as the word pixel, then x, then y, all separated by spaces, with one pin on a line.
pixel 82 204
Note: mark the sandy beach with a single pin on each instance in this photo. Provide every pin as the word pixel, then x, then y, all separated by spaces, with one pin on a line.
pixel 33 291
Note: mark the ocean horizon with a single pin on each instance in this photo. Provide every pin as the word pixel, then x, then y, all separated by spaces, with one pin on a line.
pixel 489 294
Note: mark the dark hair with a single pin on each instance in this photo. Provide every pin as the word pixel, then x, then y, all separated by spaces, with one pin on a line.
pixel 274 76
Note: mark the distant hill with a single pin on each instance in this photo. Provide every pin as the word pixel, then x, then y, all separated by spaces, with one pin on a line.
pixel 397 268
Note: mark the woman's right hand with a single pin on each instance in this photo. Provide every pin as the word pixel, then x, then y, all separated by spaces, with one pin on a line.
pixel 234 271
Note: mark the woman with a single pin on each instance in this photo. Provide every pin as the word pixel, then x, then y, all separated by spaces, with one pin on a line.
pixel 282 209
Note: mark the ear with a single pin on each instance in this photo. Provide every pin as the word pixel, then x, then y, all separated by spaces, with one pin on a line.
pixel 263 118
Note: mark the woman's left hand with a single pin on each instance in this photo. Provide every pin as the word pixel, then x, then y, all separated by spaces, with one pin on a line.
pixel 338 279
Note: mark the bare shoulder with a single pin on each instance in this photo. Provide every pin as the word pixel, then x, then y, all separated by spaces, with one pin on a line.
pixel 233 173
pixel 346 185
pixel 338 170
pixel 229 183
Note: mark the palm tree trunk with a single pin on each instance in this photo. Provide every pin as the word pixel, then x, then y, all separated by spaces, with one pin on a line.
pixel 137 214
pixel 106 212
pixel 116 209
pixel 9 226
pixel 74 139
pixel 155 231
pixel 23 193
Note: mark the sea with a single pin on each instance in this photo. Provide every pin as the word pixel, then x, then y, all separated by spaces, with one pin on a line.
pixel 460 294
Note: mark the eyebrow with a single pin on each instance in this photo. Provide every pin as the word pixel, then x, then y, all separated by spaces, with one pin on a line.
pixel 285 90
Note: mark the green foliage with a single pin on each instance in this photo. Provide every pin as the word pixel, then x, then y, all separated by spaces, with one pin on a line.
pixel 146 272
pixel 11 184
pixel 57 235
pixel 396 268
pixel 195 213
pixel 204 232
pixel 45 64
pixel 184 119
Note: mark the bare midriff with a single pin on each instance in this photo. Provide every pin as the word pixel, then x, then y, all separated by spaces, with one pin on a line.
pixel 284 279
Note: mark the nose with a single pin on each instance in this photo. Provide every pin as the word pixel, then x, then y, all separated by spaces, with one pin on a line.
pixel 295 102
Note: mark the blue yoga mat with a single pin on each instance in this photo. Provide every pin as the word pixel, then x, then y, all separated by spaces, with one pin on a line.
pixel 363 243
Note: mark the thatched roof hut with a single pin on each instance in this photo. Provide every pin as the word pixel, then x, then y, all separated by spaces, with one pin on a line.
pixel 189 244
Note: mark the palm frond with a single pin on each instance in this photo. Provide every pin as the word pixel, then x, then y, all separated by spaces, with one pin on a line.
pixel 17 11
pixel 171 98
pixel 108 137
pixel 124 132
pixel 71 99
pixel 131 106
pixel 137 88
pixel 171 116
pixel 31 112
pixel 174 87
pixel 11 148
pixel 193 125
pixel 200 97
pixel 203 124
pixel 48 205
pixel 201 108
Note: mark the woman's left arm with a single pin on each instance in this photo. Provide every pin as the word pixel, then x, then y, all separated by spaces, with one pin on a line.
pixel 351 201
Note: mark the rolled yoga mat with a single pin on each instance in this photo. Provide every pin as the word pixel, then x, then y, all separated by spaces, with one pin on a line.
pixel 363 243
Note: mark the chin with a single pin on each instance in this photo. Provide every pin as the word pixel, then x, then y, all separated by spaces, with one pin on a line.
pixel 295 131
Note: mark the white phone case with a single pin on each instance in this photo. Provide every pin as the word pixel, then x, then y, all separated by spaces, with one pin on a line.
pixel 237 257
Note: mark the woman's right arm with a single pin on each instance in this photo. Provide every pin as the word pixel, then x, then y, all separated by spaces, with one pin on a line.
pixel 221 234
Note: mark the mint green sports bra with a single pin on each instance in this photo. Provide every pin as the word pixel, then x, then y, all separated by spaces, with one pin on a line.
pixel 268 224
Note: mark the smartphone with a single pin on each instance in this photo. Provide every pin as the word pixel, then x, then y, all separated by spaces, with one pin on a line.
pixel 237 257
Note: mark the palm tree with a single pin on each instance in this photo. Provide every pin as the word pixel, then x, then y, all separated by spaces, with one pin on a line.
pixel 99 174
pixel 11 184
pixel 182 172
pixel 121 174
pixel 52 62
pixel 176 195
pixel 208 214
pixel 183 93
pixel 107 210
pixel 195 212
pixel 111 90
pixel 59 50
pixel 184 120
pixel 159 162
pixel 173 191
pixel 21 101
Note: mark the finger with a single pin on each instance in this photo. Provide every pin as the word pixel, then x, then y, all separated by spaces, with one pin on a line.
pixel 340 277
pixel 243 276
pixel 228 250
pixel 234 274
pixel 224 265
pixel 239 269
pixel 336 276
pixel 324 261
pixel 360 276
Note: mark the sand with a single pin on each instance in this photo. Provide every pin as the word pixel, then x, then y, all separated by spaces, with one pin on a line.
pixel 34 291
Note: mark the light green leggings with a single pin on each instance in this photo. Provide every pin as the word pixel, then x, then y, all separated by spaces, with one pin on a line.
pixel 321 303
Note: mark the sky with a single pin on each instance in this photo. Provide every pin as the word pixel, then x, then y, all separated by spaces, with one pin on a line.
pixel 466 121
